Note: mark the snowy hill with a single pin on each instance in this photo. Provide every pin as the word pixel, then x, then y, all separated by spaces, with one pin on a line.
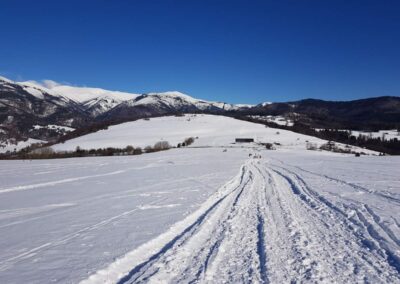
pixel 210 130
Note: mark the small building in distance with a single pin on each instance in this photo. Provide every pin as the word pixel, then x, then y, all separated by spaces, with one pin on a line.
pixel 244 140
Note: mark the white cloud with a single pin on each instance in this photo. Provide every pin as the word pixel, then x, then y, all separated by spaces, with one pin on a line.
pixel 49 84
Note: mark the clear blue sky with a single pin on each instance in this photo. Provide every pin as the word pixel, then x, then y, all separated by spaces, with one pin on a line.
pixel 236 51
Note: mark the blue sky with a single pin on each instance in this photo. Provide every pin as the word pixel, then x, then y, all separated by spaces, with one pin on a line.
pixel 235 51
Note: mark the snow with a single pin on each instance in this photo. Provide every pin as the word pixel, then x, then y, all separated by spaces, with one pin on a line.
pixel 76 94
pixel 227 106
pixel 4 79
pixel 100 100
pixel 35 92
pixel 266 103
pixel 84 94
pixel 245 105
pixel 278 119
pixel 82 214
pixel 201 215
pixel 211 130
pixel 35 88
pixel 177 99
pixel 279 223
pixel 54 127
pixel 174 99
pixel 176 94
pixel 8 146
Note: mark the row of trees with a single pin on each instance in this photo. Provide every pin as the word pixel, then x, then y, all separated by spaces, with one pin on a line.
pixel 46 152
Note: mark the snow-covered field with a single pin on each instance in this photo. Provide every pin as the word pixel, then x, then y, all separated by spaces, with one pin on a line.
pixel 211 130
pixel 201 214
pixel 61 220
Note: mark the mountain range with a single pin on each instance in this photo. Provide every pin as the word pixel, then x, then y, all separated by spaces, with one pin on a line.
pixel 27 108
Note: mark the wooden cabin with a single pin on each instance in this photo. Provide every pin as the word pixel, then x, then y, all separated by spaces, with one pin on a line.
pixel 244 140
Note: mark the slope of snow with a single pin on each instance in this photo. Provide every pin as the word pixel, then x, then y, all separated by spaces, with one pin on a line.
pixel 101 105
pixel 62 220
pixel 35 92
pixel 211 130
pixel 279 223
pixel 84 94
pixel 178 99
pixel 79 94
pixel 7 146
pixel 29 86
pixel 226 106
pixel 175 94
pixel 87 97
pixel 36 87
pixel 201 215
pixel 4 79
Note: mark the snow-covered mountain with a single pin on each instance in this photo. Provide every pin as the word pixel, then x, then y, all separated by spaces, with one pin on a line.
pixel 97 101
pixel 94 101
pixel 24 104
pixel 165 103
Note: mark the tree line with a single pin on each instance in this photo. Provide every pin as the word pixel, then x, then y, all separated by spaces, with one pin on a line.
pixel 38 151
pixel 387 146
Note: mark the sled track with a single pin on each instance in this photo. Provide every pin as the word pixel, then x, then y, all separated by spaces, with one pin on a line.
pixel 268 226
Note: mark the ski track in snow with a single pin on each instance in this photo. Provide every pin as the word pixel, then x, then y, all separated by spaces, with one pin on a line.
pixel 52 183
pixel 267 225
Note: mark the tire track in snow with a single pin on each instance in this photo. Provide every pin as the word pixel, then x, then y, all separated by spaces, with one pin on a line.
pixel 145 270
pixel 376 235
pixel 261 246
pixel 266 225
pixel 371 246
pixel 189 242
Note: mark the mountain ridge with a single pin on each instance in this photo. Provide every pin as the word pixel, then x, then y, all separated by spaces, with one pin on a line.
pixel 26 104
